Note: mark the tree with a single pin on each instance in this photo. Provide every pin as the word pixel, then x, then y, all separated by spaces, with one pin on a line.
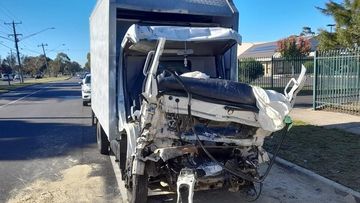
pixel 61 64
pixel 293 46
pixel 5 67
pixel 34 64
pixel 87 64
pixel 347 25
pixel 250 70
pixel 74 67
pixel 307 32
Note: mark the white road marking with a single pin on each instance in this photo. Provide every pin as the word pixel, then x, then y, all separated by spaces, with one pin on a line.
pixel 120 182
pixel 12 102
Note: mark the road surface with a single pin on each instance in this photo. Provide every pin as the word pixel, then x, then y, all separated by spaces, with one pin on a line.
pixel 48 154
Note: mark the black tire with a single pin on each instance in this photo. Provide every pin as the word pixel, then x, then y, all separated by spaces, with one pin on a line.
pixel 102 140
pixel 93 118
pixel 85 103
pixel 138 193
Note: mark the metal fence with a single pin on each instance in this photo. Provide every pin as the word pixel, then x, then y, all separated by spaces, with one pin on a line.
pixel 273 72
pixel 337 81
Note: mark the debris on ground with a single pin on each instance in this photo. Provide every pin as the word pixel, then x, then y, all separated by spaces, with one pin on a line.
pixel 76 185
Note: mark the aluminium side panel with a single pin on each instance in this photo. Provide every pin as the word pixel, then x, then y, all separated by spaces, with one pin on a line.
pixel 101 64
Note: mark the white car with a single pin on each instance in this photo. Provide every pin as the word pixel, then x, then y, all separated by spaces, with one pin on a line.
pixel 86 89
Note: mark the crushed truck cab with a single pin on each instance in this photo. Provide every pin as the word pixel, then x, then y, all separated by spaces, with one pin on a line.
pixel 180 119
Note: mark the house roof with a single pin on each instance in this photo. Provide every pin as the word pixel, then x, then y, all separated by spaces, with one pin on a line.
pixel 268 49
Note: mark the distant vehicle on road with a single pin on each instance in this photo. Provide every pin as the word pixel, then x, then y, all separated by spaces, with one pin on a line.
pixel 6 77
pixel 17 77
pixel 86 89
pixel 38 76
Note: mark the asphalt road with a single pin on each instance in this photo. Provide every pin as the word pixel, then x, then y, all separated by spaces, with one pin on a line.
pixel 45 134
pixel 44 129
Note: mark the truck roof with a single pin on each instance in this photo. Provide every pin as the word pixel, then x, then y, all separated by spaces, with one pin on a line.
pixel 195 7
pixel 221 13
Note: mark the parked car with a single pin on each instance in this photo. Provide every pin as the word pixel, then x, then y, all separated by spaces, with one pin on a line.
pixel 6 77
pixel 17 77
pixel 86 89
pixel 38 76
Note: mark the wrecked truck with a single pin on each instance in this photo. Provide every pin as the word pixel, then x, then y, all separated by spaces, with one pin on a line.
pixel 167 102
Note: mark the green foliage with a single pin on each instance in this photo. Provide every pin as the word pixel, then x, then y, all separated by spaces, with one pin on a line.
pixel 347 18
pixel 8 65
pixel 87 64
pixel 293 46
pixel 32 65
pixel 250 70
pixel 5 67
pixel 309 66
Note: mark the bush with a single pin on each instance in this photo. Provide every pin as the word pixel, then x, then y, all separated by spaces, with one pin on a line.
pixel 250 70
pixel 309 65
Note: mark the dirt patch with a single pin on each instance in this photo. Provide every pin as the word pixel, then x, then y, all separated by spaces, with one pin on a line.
pixel 76 185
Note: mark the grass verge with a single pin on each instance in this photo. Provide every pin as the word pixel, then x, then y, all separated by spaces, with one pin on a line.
pixel 331 153
pixel 7 88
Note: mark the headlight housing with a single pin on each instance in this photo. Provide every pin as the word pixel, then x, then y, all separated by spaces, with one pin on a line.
pixel 87 90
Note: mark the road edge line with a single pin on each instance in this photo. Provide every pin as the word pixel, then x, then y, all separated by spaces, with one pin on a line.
pixel 13 102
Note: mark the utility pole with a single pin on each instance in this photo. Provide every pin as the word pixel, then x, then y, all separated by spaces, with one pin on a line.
pixel 16 39
pixel 11 66
pixel 331 27
pixel 46 63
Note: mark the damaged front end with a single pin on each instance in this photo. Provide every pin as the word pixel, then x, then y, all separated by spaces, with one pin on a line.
pixel 193 133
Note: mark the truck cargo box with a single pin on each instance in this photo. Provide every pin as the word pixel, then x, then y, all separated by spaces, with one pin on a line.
pixel 111 19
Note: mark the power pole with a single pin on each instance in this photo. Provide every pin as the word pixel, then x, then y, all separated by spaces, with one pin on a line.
pixel 11 66
pixel 46 63
pixel 16 39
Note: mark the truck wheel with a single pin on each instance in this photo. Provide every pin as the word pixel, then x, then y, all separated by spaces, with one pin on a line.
pixel 102 141
pixel 138 192
pixel 93 118
pixel 85 103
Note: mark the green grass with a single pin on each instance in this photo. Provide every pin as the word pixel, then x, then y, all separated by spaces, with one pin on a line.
pixel 7 88
pixel 330 153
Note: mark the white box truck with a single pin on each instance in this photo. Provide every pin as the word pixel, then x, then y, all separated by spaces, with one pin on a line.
pixel 166 98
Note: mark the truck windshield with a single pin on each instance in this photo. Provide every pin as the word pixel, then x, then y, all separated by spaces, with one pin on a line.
pixel 88 80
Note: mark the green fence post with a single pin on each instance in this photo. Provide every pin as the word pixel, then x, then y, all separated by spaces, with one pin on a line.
pixel 272 72
pixel 315 81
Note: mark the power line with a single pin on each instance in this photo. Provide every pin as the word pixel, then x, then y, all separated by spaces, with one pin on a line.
pixel 8 13
pixel 3 32
pixel 5 46
pixel 31 50
pixel 50 28
pixel 5 38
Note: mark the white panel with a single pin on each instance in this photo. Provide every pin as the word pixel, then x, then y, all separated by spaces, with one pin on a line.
pixel 99 49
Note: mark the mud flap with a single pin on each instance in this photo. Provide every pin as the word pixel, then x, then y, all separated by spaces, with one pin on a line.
pixel 187 178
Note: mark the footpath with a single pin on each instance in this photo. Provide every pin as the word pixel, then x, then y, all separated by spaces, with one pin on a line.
pixel 303 112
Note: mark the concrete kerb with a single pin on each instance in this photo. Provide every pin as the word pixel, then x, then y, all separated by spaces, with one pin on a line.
pixel 311 174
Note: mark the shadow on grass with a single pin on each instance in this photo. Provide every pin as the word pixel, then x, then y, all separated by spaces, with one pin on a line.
pixel 330 153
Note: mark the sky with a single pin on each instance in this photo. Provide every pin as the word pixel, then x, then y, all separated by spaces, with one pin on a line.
pixel 260 21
